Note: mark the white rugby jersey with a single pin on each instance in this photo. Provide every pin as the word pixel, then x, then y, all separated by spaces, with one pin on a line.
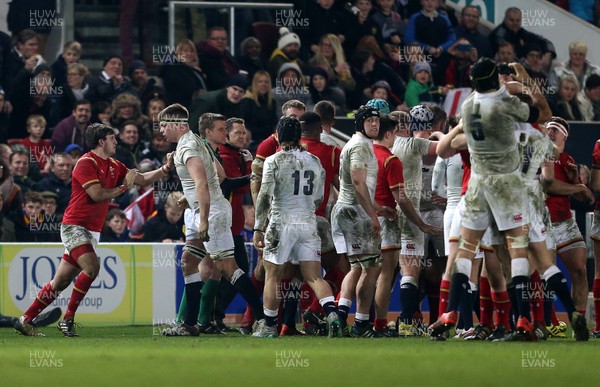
pixel 357 153
pixel 489 123
pixel 293 181
pixel 190 145
pixel 447 175
pixel 410 151
pixel 534 147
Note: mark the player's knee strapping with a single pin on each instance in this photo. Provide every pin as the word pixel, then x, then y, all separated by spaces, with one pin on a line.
pixel 195 251
pixel 469 246
pixel 80 250
pixel 520 242
pixel 366 261
pixel 223 254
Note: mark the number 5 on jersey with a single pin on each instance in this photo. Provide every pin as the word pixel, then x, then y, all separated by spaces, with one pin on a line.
pixel 307 189
pixel 475 122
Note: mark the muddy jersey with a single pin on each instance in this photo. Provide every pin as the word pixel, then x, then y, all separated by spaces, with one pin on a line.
pixel 489 123
pixel 534 147
pixel 410 151
pixel 293 181
pixel 448 175
pixel 358 154
pixel 190 145
pixel 426 202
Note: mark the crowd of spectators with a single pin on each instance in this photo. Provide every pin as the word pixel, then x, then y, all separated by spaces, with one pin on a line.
pixel 346 53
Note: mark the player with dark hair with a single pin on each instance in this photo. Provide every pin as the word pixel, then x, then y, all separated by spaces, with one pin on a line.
pixel 95 182
pixel 292 189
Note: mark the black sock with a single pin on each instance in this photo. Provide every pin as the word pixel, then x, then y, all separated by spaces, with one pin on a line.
pixel 459 283
pixel 271 321
pixel 521 283
pixel 343 312
pixel 290 307
pixel 548 310
pixel 409 298
pixel 329 307
pixel 466 306
pixel 246 289
pixel 558 284
pixel 510 288
pixel 192 295
pixel 361 323
pixel 476 304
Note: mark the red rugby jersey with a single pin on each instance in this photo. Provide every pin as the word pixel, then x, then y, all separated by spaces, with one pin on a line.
pixel 389 176
pixel 89 170
pixel 565 169
pixel 330 160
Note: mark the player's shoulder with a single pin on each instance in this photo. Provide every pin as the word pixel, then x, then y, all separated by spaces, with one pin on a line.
pixel 391 160
pixel 86 159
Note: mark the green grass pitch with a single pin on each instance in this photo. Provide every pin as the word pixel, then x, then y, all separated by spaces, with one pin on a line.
pixel 138 356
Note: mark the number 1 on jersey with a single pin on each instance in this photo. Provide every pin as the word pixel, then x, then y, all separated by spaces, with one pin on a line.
pixel 308 188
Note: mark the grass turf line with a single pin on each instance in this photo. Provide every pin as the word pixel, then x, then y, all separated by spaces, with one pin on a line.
pixel 137 356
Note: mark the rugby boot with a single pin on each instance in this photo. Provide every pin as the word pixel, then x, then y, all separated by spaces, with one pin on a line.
pixel 25 328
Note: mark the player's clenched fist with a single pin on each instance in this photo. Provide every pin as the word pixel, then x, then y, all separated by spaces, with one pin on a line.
pixel 130 178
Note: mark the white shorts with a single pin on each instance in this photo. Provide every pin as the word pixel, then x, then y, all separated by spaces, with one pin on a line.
pixel 454 232
pixel 435 218
pixel 220 244
pixel 499 198
pixel 448 217
pixel 390 234
pixel 73 236
pixel 539 217
pixel 324 231
pixel 566 236
pixel 412 239
pixel 294 240
pixel 595 231
pixel 352 231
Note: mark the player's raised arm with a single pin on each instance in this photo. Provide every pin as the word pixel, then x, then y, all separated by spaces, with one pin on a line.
pixel 540 102
pixel 144 179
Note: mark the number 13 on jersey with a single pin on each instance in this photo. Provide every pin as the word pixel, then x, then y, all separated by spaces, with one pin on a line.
pixel 307 188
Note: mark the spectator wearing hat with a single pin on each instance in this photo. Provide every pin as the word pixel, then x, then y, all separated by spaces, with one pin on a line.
pixel 321 90
pixel 143 86
pixel 218 64
pixel 58 180
pixel 70 130
pixel 127 107
pixel 287 51
pixel 110 82
pixel 183 78
pixel 251 59
pixel 75 151
pixel 382 90
pixel 577 65
pixel 589 98
pixel 226 101
pixel 290 84
pixel 421 88
pixel 30 95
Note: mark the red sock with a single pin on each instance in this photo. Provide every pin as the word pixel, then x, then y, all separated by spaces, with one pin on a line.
pixel 553 317
pixel 380 324
pixel 80 289
pixel 316 307
pixel 596 293
pixel 502 308
pixel 44 298
pixel 444 294
pixel 537 303
pixel 258 285
pixel 307 297
pixel 486 306
pixel 335 277
pixel 248 318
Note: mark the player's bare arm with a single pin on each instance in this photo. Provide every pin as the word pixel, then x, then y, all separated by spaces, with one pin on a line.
pixel 444 147
pixel 579 191
pixel 255 181
pixel 263 204
pixel 359 181
pixel 547 176
pixel 409 210
pixel 99 194
pixel 143 179
pixel 196 168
